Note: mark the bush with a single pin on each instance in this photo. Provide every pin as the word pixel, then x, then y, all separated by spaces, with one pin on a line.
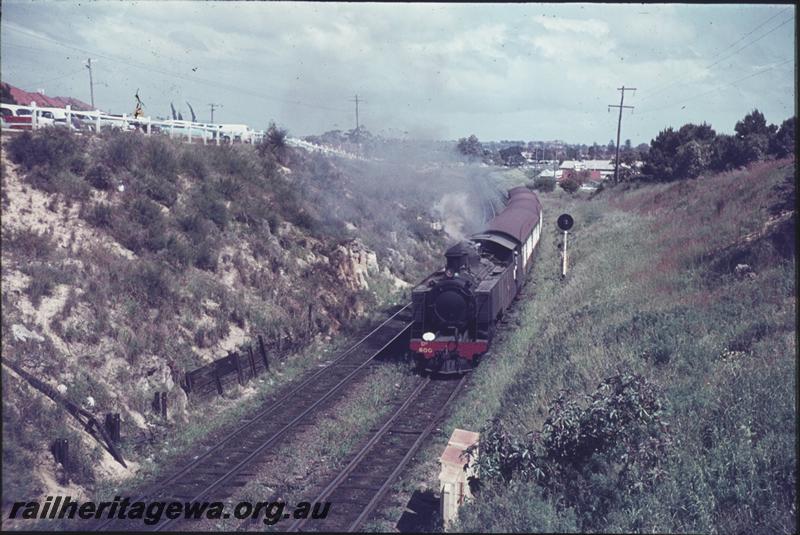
pixel 206 256
pixel 159 157
pixel 194 163
pixel 44 279
pixel 692 159
pixel 783 143
pixel 29 244
pixel 101 215
pixel 570 185
pixel 121 149
pixel 616 439
pixel 543 184
pixel 149 282
pixel 99 176
pixel 55 148
pixel 53 180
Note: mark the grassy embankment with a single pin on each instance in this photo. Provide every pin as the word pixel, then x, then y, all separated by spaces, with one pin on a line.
pixel 652 290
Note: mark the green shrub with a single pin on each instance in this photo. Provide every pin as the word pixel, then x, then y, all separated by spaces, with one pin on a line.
pixel 43 280
pixel 56 148
pixel 570 185
pixel 101 215
pixel 99 176
pixel 543 184
pixel 121 149
pixel 29 244
pixel 206 255
pixel 193 162
pixel 54 180
pixel 159 156
pixel 158 187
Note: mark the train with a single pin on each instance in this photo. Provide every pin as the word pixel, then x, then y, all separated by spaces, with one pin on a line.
pixel 456 310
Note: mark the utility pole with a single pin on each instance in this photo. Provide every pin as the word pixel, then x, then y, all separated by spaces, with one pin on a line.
pixel 619 124
pixel 213 107
pixel 358 125
pixel 91 83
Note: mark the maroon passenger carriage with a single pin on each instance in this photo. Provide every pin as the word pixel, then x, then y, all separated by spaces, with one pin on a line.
pixel 456 310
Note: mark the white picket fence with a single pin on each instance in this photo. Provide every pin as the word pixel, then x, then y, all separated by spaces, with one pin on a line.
pixel 188 131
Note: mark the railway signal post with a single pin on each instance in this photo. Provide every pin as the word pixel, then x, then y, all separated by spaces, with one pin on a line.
pixel 565 223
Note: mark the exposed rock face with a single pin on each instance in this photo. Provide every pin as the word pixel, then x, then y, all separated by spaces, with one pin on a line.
pixel 354 264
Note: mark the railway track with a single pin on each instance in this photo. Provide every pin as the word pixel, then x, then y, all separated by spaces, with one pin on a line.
pixel 228 465
pixel 356 491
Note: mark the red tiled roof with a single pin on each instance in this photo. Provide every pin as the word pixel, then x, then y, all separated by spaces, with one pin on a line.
pixel 24 98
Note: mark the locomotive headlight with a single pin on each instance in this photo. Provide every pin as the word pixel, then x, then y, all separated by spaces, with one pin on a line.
pixel 428 336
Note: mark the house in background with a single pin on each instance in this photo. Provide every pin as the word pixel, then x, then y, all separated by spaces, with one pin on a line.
pixel 550 173
pixel 598 169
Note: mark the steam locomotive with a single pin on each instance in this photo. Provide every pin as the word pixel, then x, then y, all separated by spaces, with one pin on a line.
pixel 456 310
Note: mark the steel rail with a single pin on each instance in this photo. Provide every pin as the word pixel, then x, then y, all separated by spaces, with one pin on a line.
pixel 380 493
pixel 278 434
pixel 267 409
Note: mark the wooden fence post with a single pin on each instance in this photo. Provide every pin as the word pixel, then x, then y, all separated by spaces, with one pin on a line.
pixel 239 374
pixel 97 124
pixel 164 405
pixel 61 455
pixel 112 425
pixel 218 381
pixel 252 360
pixel 263 351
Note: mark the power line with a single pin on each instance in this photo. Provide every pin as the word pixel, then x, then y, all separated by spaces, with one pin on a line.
pixel 733 83
pixel 73 73
pixel 200 81
pixel 751 42
pixel 660 89
pixel 781 12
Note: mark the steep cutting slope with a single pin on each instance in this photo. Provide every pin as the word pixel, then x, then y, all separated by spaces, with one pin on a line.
pixel 128 260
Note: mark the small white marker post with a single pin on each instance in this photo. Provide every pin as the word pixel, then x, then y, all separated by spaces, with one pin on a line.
pixel 565 223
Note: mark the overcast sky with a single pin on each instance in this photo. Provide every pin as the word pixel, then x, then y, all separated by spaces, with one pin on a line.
pixel 500 71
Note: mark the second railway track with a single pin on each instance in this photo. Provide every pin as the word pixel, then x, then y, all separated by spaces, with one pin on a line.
pixel 357 490
pixel 225 467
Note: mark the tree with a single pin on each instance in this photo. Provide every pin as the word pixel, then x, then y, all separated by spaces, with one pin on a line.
pixel 570 184
pixel 611 148
pixel 782 144
pixel 659 164
pixel 692 159
pixel 753 123
pixel 512 156
pixel 543 183
pixel 702 133
pixel 572 152
pixel 755 147
pixel 5 94
pixel 274 143
pixel 726 153
pixel 470 147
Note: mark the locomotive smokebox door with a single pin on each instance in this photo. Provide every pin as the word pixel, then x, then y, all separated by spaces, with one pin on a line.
pixel 565 222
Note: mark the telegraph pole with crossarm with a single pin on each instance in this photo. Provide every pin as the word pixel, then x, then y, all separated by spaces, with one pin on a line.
pixel 619 124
